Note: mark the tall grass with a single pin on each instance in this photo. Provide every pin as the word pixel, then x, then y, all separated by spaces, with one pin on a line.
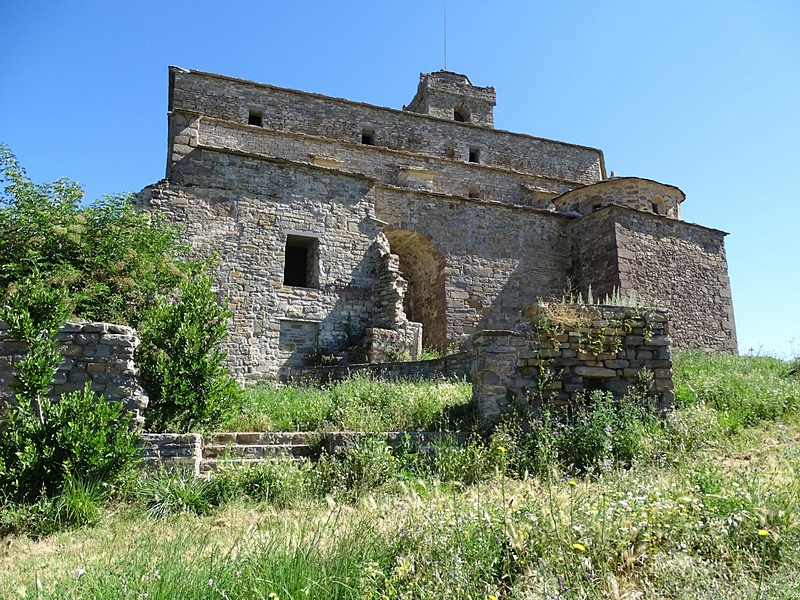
pixel 360 403
pixel 620 505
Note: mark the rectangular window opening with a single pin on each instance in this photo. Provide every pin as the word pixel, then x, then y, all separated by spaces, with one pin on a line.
pixel 368 137
pixel 474 155
pixel 255 117
pixel 301 266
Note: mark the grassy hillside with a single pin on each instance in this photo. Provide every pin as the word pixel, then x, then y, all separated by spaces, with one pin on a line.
pixel 707 507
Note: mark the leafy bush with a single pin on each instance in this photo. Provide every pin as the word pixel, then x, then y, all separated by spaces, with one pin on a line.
pixel 113 259
pixel 83 437
pixel 45 446
pixel 180 361
pixel 362 466
pixel 598 433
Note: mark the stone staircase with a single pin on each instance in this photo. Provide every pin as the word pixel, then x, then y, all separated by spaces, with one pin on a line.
pixel 249 448
pixel 204 455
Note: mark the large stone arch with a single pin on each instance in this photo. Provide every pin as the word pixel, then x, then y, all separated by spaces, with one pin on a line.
pixel 422 265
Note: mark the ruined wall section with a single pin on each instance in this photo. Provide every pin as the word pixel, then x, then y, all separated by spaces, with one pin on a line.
pixel 496 259
pixel 681 267
pixel 313 114
pixel 244 209
pixel 98 354
pixel 519 369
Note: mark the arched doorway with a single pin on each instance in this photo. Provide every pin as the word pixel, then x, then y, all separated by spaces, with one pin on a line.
pixel 422 265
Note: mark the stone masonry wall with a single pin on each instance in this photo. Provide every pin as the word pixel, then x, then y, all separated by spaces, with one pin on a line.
pixel 497 259
pixel 453 367
pixel 244 209
pixel 451 175
pixel 632 192
pixel 100 354
pixel 674 265
pixel 607 349
pixel 301 112
pixel 681 267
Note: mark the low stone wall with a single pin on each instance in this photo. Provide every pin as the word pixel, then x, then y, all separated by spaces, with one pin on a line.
pixel 100 354
pixel 172 451
pixel 452 367
pixel 592 348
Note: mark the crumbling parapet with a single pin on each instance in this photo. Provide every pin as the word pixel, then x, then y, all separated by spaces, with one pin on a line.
pixel 591 348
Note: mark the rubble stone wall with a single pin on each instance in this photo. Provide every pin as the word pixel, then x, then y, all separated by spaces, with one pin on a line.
pixel 682 268
pixel 100 354
pixel 515 369
pixel 453 367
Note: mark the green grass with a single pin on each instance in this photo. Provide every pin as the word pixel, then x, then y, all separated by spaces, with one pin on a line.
pixel 357 404
pixel 702 510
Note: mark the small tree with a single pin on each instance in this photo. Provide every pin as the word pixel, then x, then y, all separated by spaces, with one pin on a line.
pixel 113 259
pixel 43 445
pixel 180 361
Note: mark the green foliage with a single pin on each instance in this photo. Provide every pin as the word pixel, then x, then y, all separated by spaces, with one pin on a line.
pixel 597 434
pixel 280 481
pixel 83 437
pixel 743 390
pixel 34 311
pixel 45 447
pixel 112 259
pixel 180 361
pixel 357 404
pixel 173 492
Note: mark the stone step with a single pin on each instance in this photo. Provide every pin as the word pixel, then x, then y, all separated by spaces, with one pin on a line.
pixel 257 450
pixel 258 438
pixel 211 465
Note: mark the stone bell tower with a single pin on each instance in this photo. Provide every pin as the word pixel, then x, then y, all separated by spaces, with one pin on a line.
pixel 451 96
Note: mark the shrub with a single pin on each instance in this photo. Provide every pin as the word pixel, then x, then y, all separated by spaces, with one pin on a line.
pixel 180 361
pixel 280 481
pixel 83 437
pixel 597 433
pixel 113 259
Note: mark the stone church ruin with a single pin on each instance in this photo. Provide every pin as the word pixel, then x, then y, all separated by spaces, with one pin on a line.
pixel 338 222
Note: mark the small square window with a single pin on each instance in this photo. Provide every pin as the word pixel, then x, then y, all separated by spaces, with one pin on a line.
pixel 474 155
pixel 255 117
pixel 368 137
pixel 301 266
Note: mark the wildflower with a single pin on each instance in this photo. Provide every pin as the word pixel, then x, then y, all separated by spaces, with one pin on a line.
pixel 503 450
pixel 763 532
pixel 579 547
pixel 572 482
pixel 492 597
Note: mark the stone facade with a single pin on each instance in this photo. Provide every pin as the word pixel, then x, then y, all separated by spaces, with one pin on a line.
pixel 597 348
pixel 100 354
pixel 454 367
pixel 333 218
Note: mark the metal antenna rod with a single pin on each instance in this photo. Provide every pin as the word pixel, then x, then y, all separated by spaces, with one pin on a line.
pixel 445 35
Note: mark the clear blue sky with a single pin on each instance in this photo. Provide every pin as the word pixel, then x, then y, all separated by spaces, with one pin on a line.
pixel 704 95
